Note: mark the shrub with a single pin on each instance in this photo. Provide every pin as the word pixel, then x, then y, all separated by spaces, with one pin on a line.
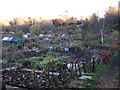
pixel 115 34
pixel 88 38
pixel 33 44
pixel 53 54
pixel 19 34
pixel 115 26
pixel 114 47
pixel 106 56
pixel 37 58
pixel 49 62
pixel 26 63
pixel 34 29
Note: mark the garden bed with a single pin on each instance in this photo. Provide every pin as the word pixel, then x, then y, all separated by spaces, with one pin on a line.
pixel 31 78
pixel 22 78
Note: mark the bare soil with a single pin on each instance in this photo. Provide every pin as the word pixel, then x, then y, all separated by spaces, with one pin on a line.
pixel 108 80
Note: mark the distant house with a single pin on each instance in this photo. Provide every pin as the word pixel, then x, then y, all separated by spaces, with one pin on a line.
pixel 11 40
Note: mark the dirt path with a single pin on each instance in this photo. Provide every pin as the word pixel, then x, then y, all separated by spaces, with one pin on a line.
pixel 108 80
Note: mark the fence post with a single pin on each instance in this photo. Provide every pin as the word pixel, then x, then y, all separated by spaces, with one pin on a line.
pixel 72 70
pixel 52 77
pixel 93 64
pixel 60 74
pixel 48 78
pixel 80 74
pixel 83 63
pixel 76 68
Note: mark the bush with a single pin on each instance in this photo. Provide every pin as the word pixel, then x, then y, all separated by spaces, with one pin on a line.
pixel 26 63
pixel 115 34
pixel 115 26
pixel 49 62
pixel 33 44
pixel 37 58
pixel 35 30
pixel 19 34
pixel 53 54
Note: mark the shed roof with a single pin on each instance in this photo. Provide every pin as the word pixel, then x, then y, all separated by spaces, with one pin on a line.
pixel 15 39
pixel 12 39
pixel 7 38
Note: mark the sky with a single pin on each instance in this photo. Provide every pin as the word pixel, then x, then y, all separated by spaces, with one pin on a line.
pixel 50 9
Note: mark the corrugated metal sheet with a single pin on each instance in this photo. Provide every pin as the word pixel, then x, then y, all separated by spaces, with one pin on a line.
pixel 15 39
pixel 7 38
pixel 11 39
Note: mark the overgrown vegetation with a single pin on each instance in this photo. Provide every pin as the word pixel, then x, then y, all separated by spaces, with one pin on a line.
pixel 58 52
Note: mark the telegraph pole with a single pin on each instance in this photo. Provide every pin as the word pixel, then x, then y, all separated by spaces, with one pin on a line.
pixel 101 32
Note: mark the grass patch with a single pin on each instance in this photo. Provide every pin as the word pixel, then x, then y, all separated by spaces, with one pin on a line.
pixel 102 69
pixel 90 83
pixel 114 59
